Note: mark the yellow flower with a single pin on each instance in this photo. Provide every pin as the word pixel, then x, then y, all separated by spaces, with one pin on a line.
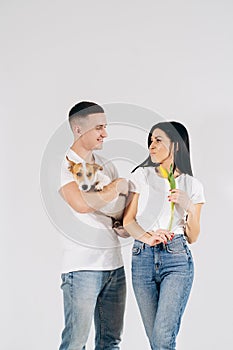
pixel 170 176
pixel 163 172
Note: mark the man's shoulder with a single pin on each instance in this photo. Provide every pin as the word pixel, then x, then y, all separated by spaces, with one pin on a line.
pixel 100 158
pixel 65 174
pixel 106 163
pixel 108 166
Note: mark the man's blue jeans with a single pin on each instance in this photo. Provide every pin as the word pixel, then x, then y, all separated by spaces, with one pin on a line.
pixel 162 279
pixel 93 293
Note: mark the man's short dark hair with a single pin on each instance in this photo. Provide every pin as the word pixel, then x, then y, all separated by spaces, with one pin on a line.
pixel 83 109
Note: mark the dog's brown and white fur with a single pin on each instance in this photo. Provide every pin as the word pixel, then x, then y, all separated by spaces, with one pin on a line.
pixel 88 176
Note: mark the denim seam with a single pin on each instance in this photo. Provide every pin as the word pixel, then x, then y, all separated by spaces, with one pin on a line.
pixel 100 309
pixel 70 277
pixel 182 307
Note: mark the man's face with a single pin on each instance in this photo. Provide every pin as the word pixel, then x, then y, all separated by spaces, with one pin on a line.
pixel 93 131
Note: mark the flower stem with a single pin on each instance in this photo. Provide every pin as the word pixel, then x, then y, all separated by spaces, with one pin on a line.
pixel 172 216
pixel 170 177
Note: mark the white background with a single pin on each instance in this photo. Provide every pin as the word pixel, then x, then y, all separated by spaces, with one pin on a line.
pixel 173 57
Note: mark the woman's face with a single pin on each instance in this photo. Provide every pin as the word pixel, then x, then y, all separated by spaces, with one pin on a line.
pixel 161 148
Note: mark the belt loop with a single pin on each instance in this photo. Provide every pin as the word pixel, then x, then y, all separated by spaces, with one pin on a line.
pixel 143 245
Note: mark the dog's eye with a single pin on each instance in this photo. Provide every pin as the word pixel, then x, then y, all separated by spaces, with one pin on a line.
pixel 79 174
pixel 89 174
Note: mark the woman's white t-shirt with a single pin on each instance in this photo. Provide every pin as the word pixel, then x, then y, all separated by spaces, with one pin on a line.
pixel 154 209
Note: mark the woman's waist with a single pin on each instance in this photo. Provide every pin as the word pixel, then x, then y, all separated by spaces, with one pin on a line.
pixel 177 230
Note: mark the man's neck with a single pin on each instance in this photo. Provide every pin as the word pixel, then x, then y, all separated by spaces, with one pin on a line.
pixel 86 155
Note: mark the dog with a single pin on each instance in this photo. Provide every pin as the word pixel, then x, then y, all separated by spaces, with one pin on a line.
pixel 89 176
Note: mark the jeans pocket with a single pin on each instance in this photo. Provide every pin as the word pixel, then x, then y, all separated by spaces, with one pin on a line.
pixel 137 248
pixel 136 251
pixel 66 278
pixel 176 246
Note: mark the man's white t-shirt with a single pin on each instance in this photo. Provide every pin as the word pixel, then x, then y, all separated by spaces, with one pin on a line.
pixel 91 256
pixel 154 209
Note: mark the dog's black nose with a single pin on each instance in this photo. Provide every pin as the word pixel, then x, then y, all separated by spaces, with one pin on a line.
pixel 84 187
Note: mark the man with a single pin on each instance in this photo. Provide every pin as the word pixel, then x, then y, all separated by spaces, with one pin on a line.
pixel 93 278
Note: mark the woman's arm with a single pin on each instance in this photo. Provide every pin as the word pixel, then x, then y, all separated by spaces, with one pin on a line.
pixel 192 229
pixel 135 230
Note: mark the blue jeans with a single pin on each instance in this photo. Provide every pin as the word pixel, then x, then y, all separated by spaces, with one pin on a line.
pixel 162 278
pixel 93 293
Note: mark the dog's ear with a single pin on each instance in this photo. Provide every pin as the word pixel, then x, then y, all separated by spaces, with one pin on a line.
pixel 71 164
pixel 97 167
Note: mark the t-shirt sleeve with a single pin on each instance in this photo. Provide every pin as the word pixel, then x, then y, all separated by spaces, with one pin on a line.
pixel 114 172
pixel 66 175
pixel 137 181
pixel 108 166
pixel 197 195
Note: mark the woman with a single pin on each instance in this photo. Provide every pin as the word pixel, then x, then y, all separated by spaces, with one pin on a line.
pixel 162 265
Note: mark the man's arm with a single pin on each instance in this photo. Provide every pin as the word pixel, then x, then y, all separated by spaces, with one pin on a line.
pixel 89 202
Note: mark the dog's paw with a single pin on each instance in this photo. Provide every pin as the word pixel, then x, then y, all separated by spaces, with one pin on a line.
pixel 99 187
pixel 117 224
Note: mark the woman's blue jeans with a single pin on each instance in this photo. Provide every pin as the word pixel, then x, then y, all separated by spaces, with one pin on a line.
pixel 93 293
pixel 162 278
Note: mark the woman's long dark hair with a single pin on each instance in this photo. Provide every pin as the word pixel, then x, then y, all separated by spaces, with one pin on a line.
pixel 178 134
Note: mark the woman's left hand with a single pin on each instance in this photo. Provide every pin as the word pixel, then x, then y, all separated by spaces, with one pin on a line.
pixel 180 197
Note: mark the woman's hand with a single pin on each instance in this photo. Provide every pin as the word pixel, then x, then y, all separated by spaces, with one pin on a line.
pixel 181 198
pixel 153 238
pixel 192 227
